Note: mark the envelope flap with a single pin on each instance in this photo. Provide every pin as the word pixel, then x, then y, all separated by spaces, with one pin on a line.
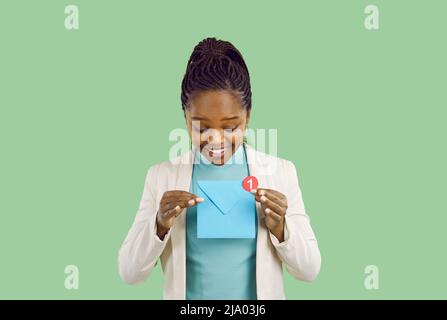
pixel 223 194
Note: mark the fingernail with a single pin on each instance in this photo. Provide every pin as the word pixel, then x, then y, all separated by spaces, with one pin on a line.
pixel 200 199
pixel 261 192
pixel 191 202
pixel 263 199
pixel 267 210
pixel 177 208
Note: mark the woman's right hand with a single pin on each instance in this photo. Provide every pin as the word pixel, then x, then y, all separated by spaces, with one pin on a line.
pixel 171 205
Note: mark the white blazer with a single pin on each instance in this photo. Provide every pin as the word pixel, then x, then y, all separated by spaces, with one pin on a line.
pixel 142 248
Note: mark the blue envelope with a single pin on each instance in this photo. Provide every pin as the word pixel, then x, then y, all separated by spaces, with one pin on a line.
pixel 227 212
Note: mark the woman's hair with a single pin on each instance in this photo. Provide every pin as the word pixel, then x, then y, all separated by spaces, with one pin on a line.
pixel 213 65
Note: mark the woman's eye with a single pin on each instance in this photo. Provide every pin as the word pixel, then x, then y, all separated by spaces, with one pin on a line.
pixel 202 130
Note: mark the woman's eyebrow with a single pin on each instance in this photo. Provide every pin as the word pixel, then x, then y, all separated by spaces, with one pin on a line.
pixel 205 118
pixel 230 118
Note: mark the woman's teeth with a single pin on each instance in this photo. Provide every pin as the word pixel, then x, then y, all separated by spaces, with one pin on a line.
pixel 217 152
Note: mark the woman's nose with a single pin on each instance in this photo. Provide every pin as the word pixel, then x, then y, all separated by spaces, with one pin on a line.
pixel 215 137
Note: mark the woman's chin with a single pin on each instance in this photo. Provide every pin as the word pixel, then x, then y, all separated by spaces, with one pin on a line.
pixel 218 161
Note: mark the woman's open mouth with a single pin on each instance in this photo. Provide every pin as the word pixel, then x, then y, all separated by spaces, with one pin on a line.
pixel 216 152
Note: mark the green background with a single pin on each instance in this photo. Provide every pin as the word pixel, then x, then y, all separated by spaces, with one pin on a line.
pixel 84 114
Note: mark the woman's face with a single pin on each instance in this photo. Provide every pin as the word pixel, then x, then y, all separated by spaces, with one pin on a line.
pixel 216 122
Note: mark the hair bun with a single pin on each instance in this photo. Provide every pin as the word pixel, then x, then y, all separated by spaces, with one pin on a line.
pixel 216 65
pixel 211 46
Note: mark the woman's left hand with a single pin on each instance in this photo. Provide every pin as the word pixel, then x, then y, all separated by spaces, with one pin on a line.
pixel 274 207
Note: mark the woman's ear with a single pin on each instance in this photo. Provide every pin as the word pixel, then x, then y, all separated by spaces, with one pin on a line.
pixel 188 122
pixel 186 116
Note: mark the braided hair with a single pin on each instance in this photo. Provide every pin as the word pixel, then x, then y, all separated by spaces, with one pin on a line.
pixel 213 65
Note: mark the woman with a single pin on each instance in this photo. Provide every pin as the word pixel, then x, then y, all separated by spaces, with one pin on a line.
pixel 216 101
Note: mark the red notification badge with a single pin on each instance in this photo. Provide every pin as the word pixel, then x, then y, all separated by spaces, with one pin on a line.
pixel 250 183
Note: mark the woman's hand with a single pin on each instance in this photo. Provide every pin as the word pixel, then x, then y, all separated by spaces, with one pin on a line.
pixel 274 207
pixel 171 205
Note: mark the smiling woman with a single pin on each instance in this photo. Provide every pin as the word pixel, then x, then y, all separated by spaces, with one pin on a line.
pixel 216 93
pixel 214 239
pixel 214 114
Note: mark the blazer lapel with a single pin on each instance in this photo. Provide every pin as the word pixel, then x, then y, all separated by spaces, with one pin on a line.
pixel 257 166
pixel 182 174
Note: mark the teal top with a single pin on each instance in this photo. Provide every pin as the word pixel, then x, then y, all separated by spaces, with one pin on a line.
pixel 219 268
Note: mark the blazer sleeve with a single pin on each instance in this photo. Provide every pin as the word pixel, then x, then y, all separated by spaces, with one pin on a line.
pixel 299 251
pixel 142 248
